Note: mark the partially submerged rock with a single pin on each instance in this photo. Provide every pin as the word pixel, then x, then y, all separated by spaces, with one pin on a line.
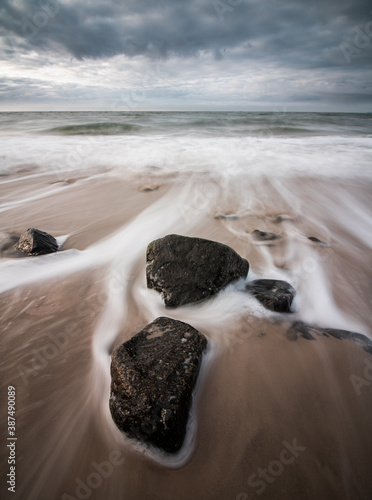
pixel 317 240
pixel 36 242
pixel 310 332
pixel 149 188
pixel 186 270
pixel 227 215
pixel 276 295
pixel 277 219
pixel 153 376
pixel 264 235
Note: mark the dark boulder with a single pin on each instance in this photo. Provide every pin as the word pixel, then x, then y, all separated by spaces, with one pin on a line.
pixel 276 295
pixel 265 236
pixel 311 332
pixel 153 376
pixel 36 242
pixel 186 270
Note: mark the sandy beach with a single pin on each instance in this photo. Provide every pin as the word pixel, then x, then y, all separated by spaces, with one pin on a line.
pixel 272 418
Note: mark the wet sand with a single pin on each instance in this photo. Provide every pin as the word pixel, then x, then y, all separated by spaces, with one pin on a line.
pixel 275 418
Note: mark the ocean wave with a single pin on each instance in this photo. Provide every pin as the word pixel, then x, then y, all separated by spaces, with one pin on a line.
pixel 286 131
pixel 95 129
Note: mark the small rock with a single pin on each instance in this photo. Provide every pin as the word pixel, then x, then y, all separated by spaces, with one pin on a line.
pixel 282 218
pixel 265 236
pixel 310 332
pixel 317 240
pixel 226 216
pixel 276 295
pixel 186 270
pixel 149 188
pixel 153 407
pixel 36 242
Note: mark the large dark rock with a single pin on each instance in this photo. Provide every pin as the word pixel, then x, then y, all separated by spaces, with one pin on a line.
pixel 310 332
pixel 153 376
pixel 187 269
pixel 36 242
pixel 276 295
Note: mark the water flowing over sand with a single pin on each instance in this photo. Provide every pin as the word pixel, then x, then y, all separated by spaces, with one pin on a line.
pixel 258 392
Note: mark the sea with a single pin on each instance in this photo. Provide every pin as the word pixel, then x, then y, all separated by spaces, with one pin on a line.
pixel 274 144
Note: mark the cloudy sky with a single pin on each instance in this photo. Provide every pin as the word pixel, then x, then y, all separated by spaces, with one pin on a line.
pixel 274 55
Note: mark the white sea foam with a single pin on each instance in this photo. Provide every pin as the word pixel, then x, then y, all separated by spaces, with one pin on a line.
pixel 317 156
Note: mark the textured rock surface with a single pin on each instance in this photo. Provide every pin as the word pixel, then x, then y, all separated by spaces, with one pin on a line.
pixel 36 242
pixel 276 295
pixel 153 376
pixel 187 269
pixel 309 332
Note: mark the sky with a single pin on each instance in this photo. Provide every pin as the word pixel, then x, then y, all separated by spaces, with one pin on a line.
pixel 244 55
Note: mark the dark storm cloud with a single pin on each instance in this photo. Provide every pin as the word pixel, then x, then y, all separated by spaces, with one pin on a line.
pixel 207 53
pixel 295 33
